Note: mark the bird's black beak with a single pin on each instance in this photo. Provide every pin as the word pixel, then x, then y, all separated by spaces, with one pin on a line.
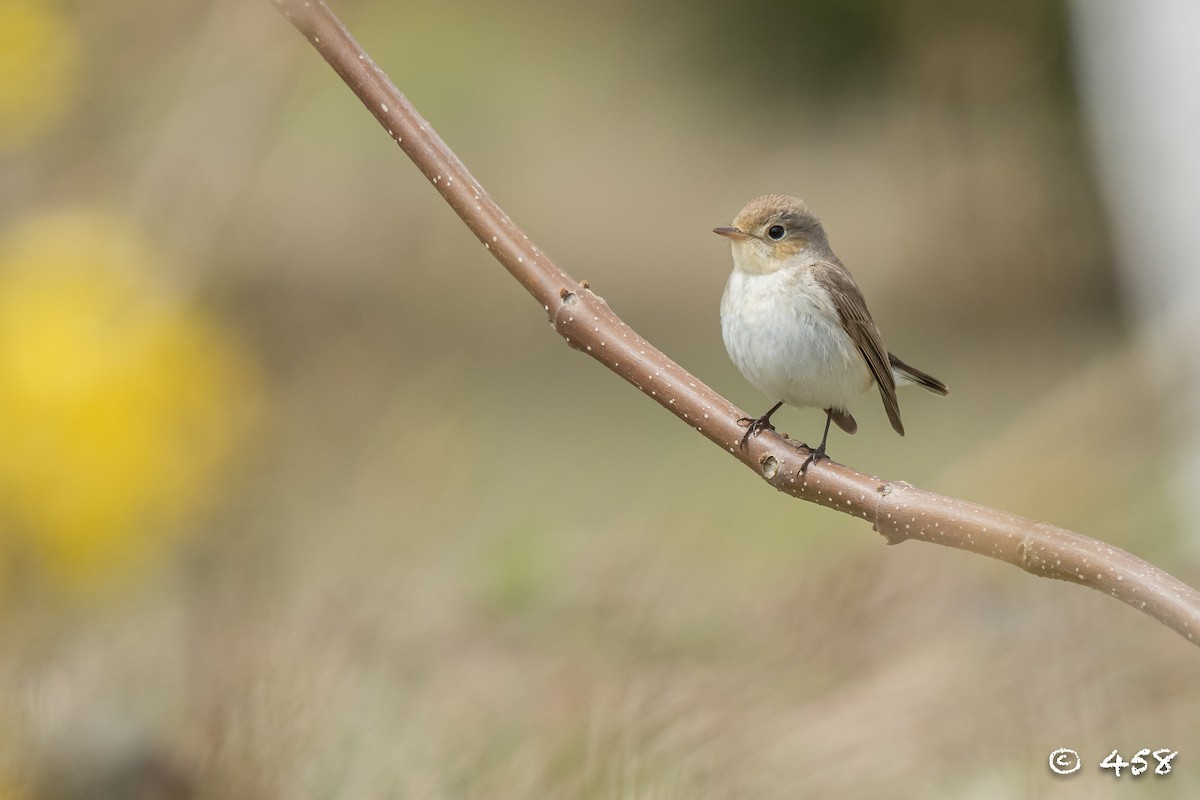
pixel 730 233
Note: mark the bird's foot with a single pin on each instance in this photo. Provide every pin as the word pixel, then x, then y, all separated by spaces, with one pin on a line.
pixel 818 452
pixel 814 454
pixel 754 426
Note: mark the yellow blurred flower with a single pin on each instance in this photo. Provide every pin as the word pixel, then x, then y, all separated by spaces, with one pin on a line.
pixel 39 70
pixel 117 402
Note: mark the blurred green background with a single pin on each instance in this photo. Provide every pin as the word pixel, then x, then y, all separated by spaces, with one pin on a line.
pixel 300 496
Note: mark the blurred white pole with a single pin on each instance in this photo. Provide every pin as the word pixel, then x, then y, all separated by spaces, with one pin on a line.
pixel 1139 72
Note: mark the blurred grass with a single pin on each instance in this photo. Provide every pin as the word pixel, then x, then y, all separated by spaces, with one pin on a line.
pixel 454 559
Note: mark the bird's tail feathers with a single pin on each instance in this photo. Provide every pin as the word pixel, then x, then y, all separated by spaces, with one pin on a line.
pixel 844 419
pixel 906 374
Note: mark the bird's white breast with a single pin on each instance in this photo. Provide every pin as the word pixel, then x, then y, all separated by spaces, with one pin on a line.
pixel 782 331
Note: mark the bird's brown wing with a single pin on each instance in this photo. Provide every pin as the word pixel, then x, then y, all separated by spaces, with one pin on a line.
pixel 856 320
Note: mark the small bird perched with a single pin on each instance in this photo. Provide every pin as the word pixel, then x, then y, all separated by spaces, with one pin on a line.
pixel 796 325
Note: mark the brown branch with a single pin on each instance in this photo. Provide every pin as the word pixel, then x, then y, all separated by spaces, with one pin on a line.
pixel 897 510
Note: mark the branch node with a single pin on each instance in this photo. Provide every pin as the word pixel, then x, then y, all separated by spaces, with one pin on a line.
pixel 1045 562
pixel 564 316
pixel 885 522
pixel 770 467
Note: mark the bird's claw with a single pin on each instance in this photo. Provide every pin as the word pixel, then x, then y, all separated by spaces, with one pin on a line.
pixel 754 426
pixel 814 454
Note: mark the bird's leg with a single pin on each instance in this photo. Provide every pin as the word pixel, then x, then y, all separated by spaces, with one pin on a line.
pixel 753 426
pixel 817 453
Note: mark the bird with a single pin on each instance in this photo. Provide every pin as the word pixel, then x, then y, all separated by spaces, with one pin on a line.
pixel 796 325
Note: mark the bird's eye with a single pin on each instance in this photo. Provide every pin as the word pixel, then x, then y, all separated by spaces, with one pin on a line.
pixel 775 232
